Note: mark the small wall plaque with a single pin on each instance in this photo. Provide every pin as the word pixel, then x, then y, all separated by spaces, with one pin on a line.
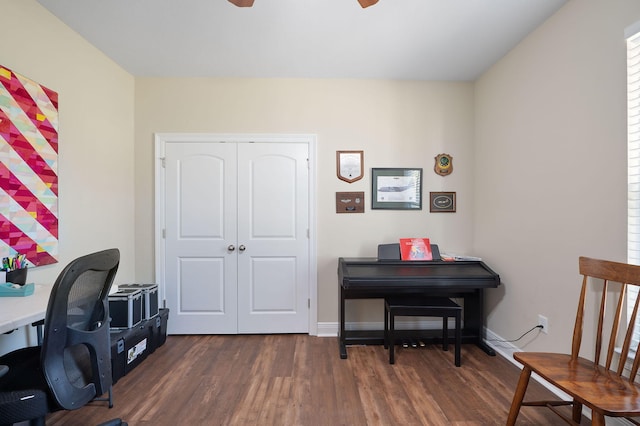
pixel 349 202
pixel 444 164
pixel 443 202
pixel 350 165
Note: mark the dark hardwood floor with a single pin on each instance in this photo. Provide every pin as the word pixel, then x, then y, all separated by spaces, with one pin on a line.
pixel 301 380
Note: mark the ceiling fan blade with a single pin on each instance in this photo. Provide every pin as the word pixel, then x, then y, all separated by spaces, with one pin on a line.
pixel 244 3
pixel 249 3
pixel 365 3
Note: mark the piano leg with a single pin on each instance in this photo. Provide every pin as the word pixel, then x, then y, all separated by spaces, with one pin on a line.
pixel 341 337
pixel 487 349
pixel 474 318
pixel 343 349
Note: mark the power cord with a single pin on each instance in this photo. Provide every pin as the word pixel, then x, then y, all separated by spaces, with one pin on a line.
pixel 515 340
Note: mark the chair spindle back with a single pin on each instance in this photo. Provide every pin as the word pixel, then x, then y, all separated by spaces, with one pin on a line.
pixel 608 272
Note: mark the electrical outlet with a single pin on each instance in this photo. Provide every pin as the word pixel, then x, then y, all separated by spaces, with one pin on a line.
pixel 542 320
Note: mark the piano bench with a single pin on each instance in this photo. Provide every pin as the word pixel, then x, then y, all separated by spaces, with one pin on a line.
pixel 423 307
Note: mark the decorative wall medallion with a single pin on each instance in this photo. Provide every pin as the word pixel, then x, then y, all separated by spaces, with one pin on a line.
pixel 350 165
pixel 444 164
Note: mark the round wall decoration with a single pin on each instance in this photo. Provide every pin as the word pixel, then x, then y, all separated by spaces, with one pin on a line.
pixel 444 164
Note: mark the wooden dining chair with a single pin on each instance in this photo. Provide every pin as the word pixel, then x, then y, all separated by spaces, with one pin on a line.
pixel 605 385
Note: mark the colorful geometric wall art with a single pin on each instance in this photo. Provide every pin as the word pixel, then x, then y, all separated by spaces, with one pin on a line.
pixel 28 169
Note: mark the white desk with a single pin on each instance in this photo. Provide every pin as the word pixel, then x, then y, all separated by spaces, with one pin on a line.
pixel 16 312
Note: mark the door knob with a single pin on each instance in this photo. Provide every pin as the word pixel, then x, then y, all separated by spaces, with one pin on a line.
pixel 231 247
pixel 242 248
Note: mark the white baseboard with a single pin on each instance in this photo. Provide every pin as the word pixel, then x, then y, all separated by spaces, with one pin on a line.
pixel 328 329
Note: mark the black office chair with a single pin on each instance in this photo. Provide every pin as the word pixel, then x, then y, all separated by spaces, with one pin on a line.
pixel 73 365
pixel 415 305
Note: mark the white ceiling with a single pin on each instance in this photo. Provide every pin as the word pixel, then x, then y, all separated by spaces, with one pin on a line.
pixel 394 39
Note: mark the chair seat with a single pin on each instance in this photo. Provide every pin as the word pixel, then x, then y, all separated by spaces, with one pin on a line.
pixel 22 405
pixel 594 386
pixel 421 303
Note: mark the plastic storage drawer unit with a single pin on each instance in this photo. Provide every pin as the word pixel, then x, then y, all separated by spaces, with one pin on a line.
pixel 125 308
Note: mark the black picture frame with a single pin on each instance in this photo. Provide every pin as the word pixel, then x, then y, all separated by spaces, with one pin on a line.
pixel 442 202
pixel 396 189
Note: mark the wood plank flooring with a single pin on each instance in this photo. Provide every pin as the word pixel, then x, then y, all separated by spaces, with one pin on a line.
pixel 301 380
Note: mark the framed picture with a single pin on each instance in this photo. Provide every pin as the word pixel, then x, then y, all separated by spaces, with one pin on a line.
pixel 396 189
pixel 442 202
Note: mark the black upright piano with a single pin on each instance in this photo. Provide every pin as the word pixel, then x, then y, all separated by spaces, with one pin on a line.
pixel 368 278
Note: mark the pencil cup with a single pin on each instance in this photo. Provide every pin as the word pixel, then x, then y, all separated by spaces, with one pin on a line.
pixel 17 276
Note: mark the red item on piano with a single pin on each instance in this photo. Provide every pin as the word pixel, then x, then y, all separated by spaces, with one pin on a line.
pixel 415 249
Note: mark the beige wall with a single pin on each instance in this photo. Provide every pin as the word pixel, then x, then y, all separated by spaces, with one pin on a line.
pixel 538 145
pixel 551 162
pixel 397 124
pixel 95 133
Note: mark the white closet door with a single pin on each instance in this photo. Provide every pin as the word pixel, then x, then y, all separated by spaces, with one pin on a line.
pixel 201 212
pixel 273 226
pixel 236 237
